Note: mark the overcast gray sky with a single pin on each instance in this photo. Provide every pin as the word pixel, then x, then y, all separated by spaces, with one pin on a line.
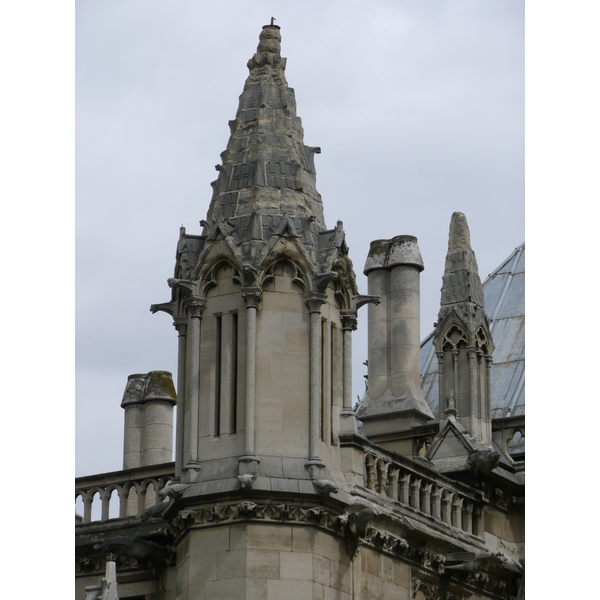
pixel 418 108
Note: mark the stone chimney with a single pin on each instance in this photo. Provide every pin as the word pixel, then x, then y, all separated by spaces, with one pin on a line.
pixel 394 401
pixel 148 401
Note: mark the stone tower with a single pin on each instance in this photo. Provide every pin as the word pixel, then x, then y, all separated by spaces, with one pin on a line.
pixel 462 340
pixel 264 301
pixel 273 493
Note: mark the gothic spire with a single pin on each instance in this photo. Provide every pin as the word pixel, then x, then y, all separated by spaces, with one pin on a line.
pixel 461 282
pixel 267 168
pixel 463 339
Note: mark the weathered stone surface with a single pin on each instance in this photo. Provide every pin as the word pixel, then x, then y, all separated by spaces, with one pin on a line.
pixel 270 497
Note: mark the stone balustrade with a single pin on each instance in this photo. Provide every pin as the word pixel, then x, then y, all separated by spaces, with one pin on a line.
pixel 413 485
pixel 136 488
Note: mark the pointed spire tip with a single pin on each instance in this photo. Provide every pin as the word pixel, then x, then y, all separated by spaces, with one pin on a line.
pixel 459 236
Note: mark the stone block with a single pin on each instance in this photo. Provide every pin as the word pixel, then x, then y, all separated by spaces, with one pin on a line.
pixel 269 328
pixel 272 466
pixel 225 589
pixel 330 593
pixel 296 565
pixel 196 591
pixel 269 410
pixel 318 590
pixel 296 411
pixel 228 467
pixel 238 537
pixel 284 485
pixel 290 372
pixel 392 591
pixel 202 567
pixel 209 540
pixel 256 589
pixel 281 589
pixel 294 468
pixel 401 574
pixel 341 576
pixel 284 443
pixel 370 562
pixel 231 564
pixel 321 569
pixel 306 486
pixel 262 564
pixel 269 537
pixel 372 587
pixel 262 483
pixel 507 527
pixel 309 539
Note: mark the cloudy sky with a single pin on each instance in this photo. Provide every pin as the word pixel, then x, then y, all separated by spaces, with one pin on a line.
pixel 418 108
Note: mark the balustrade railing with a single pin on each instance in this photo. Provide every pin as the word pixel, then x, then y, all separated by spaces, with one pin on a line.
pixel 137 490
pixel 413 485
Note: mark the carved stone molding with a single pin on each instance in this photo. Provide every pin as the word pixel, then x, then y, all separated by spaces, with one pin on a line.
pixel 324 518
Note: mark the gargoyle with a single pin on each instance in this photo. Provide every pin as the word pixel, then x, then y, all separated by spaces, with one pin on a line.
pixel 156 511
pixel 483 461
pixel 472 561
pixel 325 487
pixel 173 490
pixel 356 528
pixel 246 481
pixel 361 300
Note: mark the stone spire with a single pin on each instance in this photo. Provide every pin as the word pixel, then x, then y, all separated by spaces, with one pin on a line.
pixel 462 339
pixel 461 282
pixel 267 172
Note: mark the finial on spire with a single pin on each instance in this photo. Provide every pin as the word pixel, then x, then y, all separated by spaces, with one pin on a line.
pixel 459 237
pixel 272 21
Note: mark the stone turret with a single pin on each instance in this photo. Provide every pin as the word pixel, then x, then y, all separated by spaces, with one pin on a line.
pixel 394 401
pixel 264 301
pixel 463 340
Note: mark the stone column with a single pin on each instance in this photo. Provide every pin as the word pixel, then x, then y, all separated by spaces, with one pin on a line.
pixel 441 380
pixel 326 380
pixel 314 302
pixel 474 428
pixel 337 381
pixel 348 417
pixel 426 498
pixel 488 399
pixel 455 390
pixel 248 464
pixel 436 502
pixel 403 492
pixel 180 324
pixel 194 305
pixel 415 493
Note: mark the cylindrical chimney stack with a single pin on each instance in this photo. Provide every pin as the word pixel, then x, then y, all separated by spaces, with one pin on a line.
pixel 394 400
pixel 148 401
